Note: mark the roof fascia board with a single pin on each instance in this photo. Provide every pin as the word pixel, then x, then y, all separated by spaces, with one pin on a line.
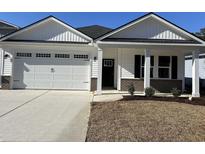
pixel 41 22
pixel 177 28
pixel 156 17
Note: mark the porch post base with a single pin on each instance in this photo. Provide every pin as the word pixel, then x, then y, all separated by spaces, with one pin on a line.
pixel 196 95
pixel 99 92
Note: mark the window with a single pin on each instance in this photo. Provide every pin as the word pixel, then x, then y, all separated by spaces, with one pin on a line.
pixel 164 67
pixel 108 63
pixel 21 54
pixel 78 56
pixel 43 55
pixel 139 66
pixel 62 56
pixel 167 67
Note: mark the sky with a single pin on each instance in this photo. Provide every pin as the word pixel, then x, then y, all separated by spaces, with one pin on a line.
pixel 190 21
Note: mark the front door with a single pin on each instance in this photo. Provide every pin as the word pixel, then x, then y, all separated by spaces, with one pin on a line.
pixel 108 73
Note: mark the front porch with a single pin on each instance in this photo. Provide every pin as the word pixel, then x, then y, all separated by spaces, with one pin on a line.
pixel 160 67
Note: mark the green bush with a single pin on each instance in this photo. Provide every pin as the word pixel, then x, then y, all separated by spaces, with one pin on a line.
pixel 131 89
pixel 176 92
pixel 149 92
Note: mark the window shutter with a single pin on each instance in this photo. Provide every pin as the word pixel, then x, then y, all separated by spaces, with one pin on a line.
pixel 137 66
pixel 174 67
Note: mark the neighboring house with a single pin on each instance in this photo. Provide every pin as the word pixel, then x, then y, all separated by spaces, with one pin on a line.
pixel 188 71
pixel 6 28
pixel 147 52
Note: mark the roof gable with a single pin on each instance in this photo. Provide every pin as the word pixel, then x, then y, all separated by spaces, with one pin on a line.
pixel 49 29
pixel 151 26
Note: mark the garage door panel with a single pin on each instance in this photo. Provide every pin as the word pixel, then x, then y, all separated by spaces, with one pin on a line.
pixel 42 85
pixel 52 73
pixel 62 77
pixel 28 76
pixel 62 85
pixel 80 85
pixel 43 76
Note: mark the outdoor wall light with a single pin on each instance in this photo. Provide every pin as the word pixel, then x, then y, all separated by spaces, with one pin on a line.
pixel 6 56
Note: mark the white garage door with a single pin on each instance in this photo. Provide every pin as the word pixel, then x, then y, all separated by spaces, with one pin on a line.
pixel 51 71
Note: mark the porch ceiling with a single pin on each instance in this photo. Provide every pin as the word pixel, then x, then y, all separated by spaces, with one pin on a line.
pixel 185 48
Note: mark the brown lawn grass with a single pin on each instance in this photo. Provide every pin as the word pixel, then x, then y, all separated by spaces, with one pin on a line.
pixel 146 120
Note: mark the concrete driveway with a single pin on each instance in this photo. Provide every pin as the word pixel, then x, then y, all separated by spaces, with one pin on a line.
pixel 41 115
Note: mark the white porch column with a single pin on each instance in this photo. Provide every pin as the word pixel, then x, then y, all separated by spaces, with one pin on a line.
pixel 1 63
pixel 147 69
pixel 99 80
pixel 119 70
pixel 183 72
pixel 195 74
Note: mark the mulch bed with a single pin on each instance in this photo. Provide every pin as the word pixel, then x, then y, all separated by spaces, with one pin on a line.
pixel 195 101
pixel 142 119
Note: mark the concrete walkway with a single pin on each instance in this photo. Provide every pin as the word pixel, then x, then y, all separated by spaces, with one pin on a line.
pixel 41 115
pixel 107 97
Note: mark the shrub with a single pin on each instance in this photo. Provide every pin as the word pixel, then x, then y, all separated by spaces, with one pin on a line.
pixel 176 92
pixel 131 89
pixel 149 92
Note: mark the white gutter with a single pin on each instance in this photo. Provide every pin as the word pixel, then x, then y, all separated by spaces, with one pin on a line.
pixel 150 44
pixel 16 43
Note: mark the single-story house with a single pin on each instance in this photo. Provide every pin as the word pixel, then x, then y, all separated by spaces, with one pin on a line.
pixel 147 52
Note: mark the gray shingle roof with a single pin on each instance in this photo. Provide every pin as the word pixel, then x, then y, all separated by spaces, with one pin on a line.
pixel 94 31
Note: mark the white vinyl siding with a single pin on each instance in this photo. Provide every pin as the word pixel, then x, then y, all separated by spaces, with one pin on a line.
pixel 128 62
pixel 50 31
pixel 188 68
pixel 94 66
pixel 7 70
pixel 150 29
